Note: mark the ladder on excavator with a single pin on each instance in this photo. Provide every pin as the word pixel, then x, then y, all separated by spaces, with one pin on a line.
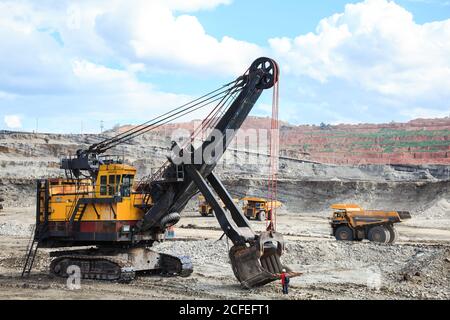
pixel 78 211
pixel 30 253
pixel 38 229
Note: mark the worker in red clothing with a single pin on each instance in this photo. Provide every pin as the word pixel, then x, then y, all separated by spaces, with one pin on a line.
pixel 285 281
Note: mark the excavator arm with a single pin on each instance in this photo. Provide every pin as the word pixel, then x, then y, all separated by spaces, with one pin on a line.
pixel 262 74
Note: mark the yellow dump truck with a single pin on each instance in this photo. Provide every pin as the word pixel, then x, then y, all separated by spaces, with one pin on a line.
pixel 259 208
pixel 350 222
pixel 205 209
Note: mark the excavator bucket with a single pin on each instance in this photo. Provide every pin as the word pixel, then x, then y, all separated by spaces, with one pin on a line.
pixel 258 263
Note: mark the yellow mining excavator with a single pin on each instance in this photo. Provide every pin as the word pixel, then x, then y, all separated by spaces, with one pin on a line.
pixel 100 205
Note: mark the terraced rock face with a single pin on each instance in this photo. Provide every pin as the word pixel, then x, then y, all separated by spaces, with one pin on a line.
pixel 303 186
pixel 422 141
pixel 373 146
pixel 430 199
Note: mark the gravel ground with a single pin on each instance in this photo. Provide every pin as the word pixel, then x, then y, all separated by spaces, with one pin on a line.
pixel 412 269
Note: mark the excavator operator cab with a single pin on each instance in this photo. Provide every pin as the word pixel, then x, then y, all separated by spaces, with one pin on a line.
pixel 115 180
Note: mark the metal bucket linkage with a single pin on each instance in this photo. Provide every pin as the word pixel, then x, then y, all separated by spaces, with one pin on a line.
pixel 257 264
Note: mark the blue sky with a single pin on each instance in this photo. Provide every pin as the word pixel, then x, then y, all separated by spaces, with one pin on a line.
pixel 293 17
pixel 66 66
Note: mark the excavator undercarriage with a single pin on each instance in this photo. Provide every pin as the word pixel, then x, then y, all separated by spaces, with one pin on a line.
pixel 119 264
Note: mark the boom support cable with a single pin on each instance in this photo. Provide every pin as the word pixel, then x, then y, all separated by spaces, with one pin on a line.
pixel 171 115
pixel 223 104
pixel 162 122
pixel 274 161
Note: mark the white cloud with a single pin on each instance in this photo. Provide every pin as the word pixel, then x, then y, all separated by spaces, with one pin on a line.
pixel 136 32
pixel 41 39
pixel 377 46
pixel 128 96
pixel 152 34
pixel 54 56
pixel 195 5
pixel 13 121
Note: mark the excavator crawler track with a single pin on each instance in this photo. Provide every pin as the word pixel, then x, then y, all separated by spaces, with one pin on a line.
pixel 180 266
pixel 94 267
pixel 122 265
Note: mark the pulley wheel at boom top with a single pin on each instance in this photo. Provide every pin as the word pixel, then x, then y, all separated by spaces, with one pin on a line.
pixel 270 78
pixel 86 162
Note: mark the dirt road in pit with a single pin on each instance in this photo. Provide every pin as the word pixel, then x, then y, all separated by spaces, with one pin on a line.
pixel 417 267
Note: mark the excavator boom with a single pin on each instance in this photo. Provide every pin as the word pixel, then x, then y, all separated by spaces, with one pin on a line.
pixel 255 258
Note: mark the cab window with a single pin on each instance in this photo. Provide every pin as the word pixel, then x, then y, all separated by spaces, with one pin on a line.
pixel 103 186
pixel 116 189
pixel 127 183
pixel 111 185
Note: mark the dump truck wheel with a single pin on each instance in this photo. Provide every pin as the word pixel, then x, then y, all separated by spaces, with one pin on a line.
pixel 344 233
pixel 379 234
pixel 393 233
pixel 261 216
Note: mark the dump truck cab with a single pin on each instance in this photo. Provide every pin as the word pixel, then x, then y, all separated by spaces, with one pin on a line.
pixel 350 222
